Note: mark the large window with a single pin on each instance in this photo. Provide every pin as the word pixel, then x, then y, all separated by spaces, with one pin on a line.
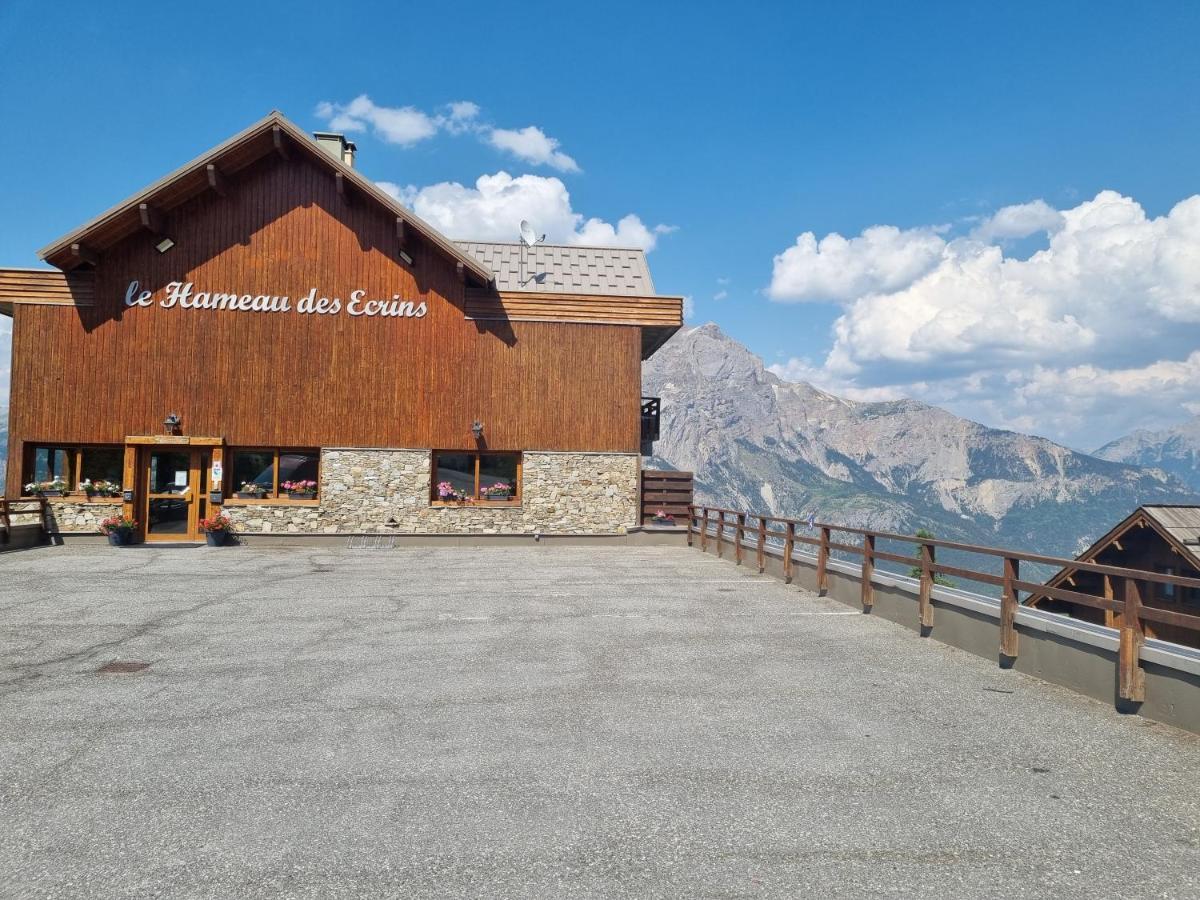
pixel 74 467
pixel 274 474
pixel 476 477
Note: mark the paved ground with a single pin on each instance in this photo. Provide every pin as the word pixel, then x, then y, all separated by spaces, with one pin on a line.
pixel 543 721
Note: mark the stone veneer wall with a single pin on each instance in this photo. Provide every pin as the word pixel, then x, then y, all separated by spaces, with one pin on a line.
pixel 79 515
pixel 562 493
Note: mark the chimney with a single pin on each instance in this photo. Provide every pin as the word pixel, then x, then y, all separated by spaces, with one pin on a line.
pixel 336 146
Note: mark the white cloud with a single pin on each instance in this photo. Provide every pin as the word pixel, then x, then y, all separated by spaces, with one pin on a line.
pixel 493 208
pixel 1107 315
pixel 5 358
pixel 689 308
pixel 532 145
pixel 407 126
pixel 882 258
pixel 721 294
pixel 403 125
pixel 1019 221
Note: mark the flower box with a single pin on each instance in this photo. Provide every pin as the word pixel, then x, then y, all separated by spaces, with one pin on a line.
pixel 302 495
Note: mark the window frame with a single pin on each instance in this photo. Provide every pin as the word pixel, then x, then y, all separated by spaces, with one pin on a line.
pixel 275 497
pixel 476 500
pixel 75 453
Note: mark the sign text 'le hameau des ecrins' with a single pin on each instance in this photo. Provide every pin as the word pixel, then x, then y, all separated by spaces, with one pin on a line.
pixel 180 295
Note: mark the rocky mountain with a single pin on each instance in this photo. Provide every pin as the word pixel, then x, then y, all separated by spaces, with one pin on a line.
pixel 1174 450
pixel 759 443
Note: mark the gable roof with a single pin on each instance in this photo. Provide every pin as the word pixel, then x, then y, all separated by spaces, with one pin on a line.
pixel 273 133
pixel 1179 526
pixel 555 269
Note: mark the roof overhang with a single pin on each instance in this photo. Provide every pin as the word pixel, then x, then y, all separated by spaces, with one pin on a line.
pixel 272 134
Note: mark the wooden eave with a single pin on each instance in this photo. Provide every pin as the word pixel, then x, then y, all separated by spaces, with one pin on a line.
pixel 657 316
pixel 44 287
pixel 210 172
pixel 1137 518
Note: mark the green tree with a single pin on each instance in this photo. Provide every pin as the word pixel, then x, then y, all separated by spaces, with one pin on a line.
pixel 915 571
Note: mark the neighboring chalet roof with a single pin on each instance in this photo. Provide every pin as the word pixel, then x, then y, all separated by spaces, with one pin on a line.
pixel 553 269
pixel 1179 526
pixel 272 134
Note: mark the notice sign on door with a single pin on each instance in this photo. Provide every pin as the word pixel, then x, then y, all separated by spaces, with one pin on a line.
pixel 216 472
pixel 181 478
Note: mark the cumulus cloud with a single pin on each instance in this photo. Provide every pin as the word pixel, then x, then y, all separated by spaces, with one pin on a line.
pixel 5 358
pixel 532 145
pixel 407 126
pixel 495 205
pixel 1106 315
pixel 882 258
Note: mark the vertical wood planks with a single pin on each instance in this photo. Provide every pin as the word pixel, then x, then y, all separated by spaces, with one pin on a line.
pixel 868 569
pixel 1008 609
pixel 1131 679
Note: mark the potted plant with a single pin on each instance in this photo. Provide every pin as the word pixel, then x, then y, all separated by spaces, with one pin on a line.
pixel 498 491
pixel 119 530
pixel 251 490
pixel 447 493
pixel 300 490
pixel 55 488
pixel 216 529
pixel 663 518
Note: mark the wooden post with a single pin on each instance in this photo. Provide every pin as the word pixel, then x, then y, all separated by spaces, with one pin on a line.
pixel 1110 617
pixel 1008 609
pixel 868 569
pixel 789 544
pixel 762 545
pixel 691 523
pixel 704 530
pixel 925 598
pixel 720 533
pixel 1131 679
pixel 823 563
pixel 131 482
pixel 740 532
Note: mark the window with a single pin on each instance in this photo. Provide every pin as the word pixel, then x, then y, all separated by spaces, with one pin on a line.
pixel 274 474
pixel 486 477
pixel 72 465
pixel 1166 591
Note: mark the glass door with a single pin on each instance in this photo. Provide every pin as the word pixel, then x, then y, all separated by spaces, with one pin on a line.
pixel 172 490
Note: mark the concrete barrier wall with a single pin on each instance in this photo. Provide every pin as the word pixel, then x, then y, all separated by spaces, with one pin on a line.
pixel 1077 655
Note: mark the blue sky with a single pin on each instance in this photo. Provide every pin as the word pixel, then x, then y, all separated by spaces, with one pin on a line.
pixel 736 129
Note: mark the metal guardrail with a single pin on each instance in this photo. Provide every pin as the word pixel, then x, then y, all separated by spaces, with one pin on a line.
pixel 1128 585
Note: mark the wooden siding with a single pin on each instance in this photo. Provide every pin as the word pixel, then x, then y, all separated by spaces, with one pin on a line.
pixel 44 287
pixel 666 490
pixel 531 307
pixel 97 374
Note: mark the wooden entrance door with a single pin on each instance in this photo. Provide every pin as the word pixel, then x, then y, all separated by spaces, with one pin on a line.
pixel 174 498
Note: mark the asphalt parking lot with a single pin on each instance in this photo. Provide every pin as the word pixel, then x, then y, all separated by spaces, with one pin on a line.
pixel 542 721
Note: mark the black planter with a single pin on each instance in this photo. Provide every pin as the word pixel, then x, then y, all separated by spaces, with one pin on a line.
pixel 243 495
pixel 302 495
pixel 122 537
pixel 216 538
pixel 499 497
pixel 50 493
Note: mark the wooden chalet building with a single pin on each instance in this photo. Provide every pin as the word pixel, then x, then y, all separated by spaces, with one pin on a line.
pixel 1163 539
pixel 266 332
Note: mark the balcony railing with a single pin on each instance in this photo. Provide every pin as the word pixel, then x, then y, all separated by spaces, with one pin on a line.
pixel 651 406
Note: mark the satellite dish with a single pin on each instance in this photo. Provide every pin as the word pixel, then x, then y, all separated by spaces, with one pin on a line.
pixel 529 236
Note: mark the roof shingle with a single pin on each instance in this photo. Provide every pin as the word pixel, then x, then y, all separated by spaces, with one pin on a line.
pixel 553 269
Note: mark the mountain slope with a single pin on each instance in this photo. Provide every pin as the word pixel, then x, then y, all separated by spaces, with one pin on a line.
pixel 1174 450
pixel 758 443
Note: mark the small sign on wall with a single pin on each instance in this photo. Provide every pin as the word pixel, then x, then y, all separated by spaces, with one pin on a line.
pixel 127 496
pixel 216 497
pixel 217 472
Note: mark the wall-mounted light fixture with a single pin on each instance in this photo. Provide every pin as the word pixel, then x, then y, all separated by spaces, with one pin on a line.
pixel 164 245
pixel 477 429
pixel 171 423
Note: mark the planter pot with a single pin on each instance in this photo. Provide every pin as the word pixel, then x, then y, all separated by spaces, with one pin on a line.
pixel 302 495
pixel 216 538
pixel 243 495
pixel 50 493
pixel 499 496
pixel 121 538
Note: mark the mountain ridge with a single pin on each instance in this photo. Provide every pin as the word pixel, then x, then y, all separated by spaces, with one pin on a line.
pixel 757 442
pixel 1174 450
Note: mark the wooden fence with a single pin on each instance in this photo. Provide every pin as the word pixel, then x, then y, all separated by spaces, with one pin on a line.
pixel 27 508
pixel 668 491
pixel 732 528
